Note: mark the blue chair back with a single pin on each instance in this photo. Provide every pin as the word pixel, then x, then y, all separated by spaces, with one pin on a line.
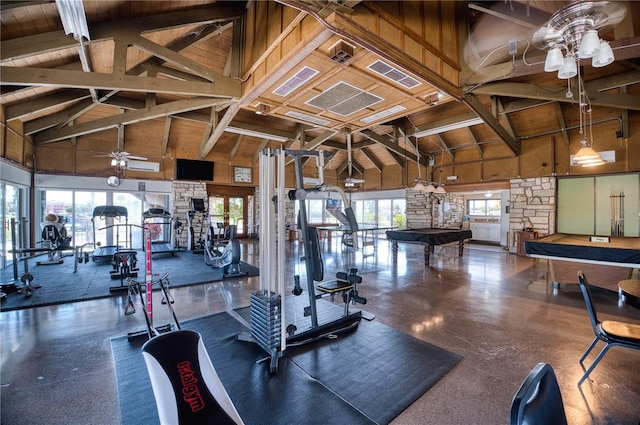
pixel 588 300
pixel 538 401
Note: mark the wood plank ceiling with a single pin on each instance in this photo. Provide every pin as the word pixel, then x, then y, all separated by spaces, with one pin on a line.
pixel 165 79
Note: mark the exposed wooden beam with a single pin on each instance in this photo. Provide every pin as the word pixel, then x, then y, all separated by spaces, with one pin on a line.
pixel 475 141
pixel 314 143
pixel 400 160
pixel 234 148
pixel 211 141
pixel 58 119
pixel 372 157
pixel 475 105
pixel 30 106
pixel 443 144
pixel 190 40
pixel 131 117
pixel 57 40
pixel 169 55
pixel 221 87
pixel 165 137
pixel 556 93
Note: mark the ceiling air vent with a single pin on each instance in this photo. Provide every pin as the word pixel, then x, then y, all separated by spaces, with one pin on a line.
pixel 344 99
pixel 341 52
pixel 393 74
pixel 300 77
pixel 308 118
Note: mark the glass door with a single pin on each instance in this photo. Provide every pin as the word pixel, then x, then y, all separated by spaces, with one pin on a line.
pixel 218 216
pixel 10 210
pixel 236 214
pixel 228 210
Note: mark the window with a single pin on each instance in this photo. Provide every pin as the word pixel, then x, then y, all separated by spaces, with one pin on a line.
pixel 76 209
pixel 483 207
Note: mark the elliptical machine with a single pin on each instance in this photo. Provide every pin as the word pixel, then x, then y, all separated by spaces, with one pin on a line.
pixel 197 216
pixel 224 253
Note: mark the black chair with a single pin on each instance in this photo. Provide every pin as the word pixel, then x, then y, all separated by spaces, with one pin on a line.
pixel 538 401
pixel 610 332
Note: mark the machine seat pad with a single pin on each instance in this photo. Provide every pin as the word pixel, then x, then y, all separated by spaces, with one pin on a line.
pixel 186 387
pixel 334 286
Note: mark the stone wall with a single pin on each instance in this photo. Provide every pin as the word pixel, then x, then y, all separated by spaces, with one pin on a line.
pixel 181 194
pixel 427 210
pixel 533 205
pixel 418 209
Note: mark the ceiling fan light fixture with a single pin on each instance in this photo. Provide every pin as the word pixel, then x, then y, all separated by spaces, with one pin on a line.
pixel 114 162
pixel 590 44
pixel 554 60
pixel 569 69
pixel 604 56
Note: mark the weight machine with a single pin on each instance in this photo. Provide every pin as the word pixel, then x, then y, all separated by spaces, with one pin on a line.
pixel 269 326
pixel 22 283
pixel 197 216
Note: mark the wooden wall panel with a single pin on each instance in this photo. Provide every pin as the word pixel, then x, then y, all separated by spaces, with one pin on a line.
pixel 15 144
pixel 394 178
pixel 372 180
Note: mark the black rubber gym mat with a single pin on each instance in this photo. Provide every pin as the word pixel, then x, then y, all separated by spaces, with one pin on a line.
pixel 367 376
pixel 61 285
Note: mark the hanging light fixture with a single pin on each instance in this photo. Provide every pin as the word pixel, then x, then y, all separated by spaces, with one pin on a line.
pixel 586 155
pixel 575 29
pixel 440 189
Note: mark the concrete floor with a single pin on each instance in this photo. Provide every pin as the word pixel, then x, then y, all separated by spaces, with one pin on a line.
pixel 496 309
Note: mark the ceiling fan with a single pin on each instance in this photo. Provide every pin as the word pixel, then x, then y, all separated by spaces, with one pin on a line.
pixel 119 159
pixel 119 162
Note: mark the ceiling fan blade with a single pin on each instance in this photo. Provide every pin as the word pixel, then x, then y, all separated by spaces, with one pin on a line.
pixel 141 158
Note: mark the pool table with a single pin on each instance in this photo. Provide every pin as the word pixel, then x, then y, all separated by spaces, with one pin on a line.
pixel 604 263
pixel 429 237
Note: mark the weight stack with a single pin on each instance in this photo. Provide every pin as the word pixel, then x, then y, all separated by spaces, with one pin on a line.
pixel 265 320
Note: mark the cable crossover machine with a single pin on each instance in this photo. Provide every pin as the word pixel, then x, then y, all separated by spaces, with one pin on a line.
pixel 270 327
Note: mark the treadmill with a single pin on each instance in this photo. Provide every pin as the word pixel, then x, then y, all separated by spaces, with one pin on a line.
pixel 104 216
pixel 160 224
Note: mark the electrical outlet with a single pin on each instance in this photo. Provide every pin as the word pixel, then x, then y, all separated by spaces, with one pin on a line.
pixel 513 46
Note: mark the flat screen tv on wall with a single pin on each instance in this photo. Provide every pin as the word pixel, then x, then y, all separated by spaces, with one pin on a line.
pixel 191 169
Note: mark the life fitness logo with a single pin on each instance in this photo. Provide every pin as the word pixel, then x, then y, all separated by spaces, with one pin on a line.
pixel 190 391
